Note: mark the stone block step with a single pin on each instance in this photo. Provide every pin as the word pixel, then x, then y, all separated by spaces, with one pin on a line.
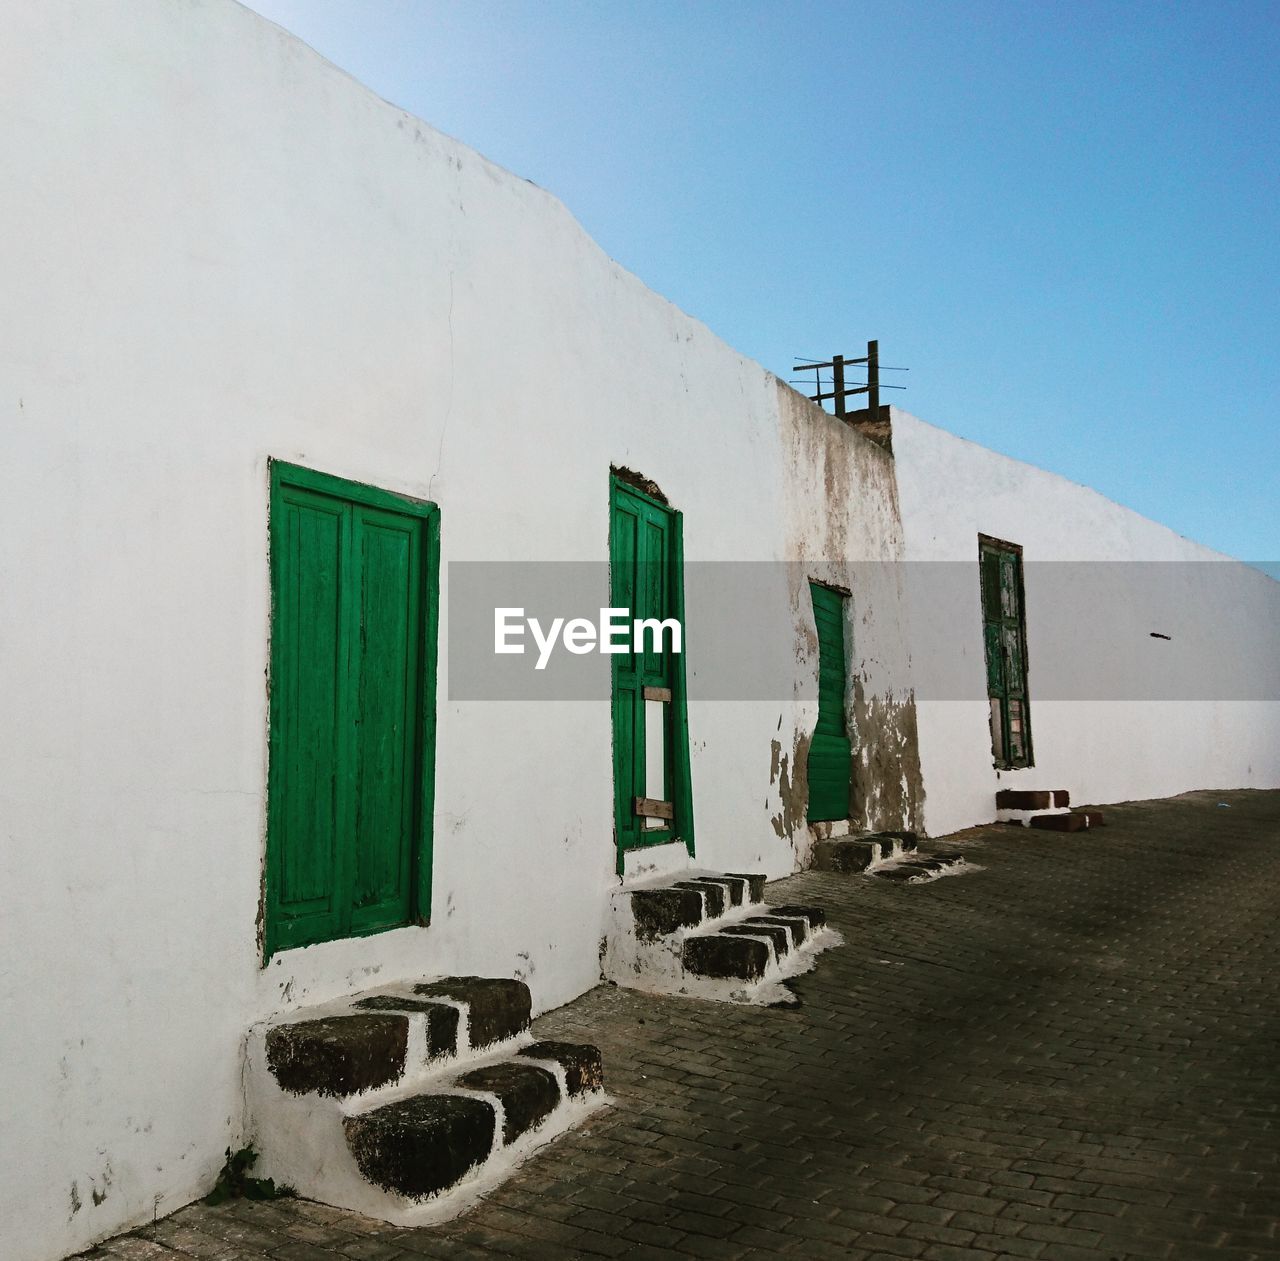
pixel 754 881
pixel 423 1145
pixel 383 1101
pixel 778 934
pixel 1032 799
pixel 366 1046
pixel 721 956
pixel 442 1020
pixel 854 854
pixel 909 842
pixel 745 949
pixel 583 1069
pixel 845 855
pixel 1076 821
pixel 527 1094
pixel 814 916
pixel 339 1055
pixel 921 868
pixel 711 935
pixel 687 903
pixel 497 1007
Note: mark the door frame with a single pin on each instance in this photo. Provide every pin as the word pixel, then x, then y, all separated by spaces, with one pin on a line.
pixel 846 648
pixel 282 475
pixel 682 826
pixel 1003 762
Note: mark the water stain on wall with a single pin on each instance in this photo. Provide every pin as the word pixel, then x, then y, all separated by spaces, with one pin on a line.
pixel 789 771
pixel 888 787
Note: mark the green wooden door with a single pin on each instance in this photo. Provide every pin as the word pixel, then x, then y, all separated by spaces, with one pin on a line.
pixel 646 577
pixel 830 753
pixel 353 573
pixel 1004 637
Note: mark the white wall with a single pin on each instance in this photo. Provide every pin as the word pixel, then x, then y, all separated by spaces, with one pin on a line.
pixel 1115 714
pixel 218 249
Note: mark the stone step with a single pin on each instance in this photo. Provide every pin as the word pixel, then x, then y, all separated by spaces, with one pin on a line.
pixel 744 950
pixel 846 855
pixel 693 933
pixel 814 916
pixel 908 842
pixel 385 1101
pixel 497 1007
pixel 1075 821
pixel 341 1055
pixel 922 867
pixel 686 903
pixel 425 1144
pixel 1032 799
pixel 854 854
pixel 421 1145
pixel 722 957
pixel 366 1047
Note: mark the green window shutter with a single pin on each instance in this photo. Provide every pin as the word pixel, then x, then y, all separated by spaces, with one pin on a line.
pixel 354 581
pixel 1004 637
pixel 309 701
pixel 646 577
pixel 386 676
pixel 830 751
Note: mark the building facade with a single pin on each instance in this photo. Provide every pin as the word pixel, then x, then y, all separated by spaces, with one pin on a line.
pixel 293 385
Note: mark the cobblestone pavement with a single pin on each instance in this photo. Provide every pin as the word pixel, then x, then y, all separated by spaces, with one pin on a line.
pixel 1071 1052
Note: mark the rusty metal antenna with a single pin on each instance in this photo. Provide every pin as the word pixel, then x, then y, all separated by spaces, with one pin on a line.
pixel 839 391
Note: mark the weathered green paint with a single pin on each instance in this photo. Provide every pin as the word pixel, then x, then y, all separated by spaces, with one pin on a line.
pixel 646 576
pixel 1004 637
pixel 354 581
pixel 830 752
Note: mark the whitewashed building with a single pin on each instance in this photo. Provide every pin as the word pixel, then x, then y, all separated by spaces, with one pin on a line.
pixel 260 477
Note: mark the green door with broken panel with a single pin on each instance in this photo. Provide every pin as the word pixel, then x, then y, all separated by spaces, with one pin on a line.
pixel 653 800
pixel 353 579
pixel 1004 637
pixel 830 752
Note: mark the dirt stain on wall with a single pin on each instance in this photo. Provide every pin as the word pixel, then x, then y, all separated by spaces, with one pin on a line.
pixel 790 772
pixel 888 787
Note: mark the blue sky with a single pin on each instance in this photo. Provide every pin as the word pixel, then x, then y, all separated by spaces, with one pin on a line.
pixel 1063 218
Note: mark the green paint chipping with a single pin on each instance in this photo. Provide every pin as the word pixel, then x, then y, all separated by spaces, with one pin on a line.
pixel 354 583
pixel 830 753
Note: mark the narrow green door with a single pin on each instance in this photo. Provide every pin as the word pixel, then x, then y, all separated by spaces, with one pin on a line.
pixel 653 799
pixel 830 753
pixel 1004 637
pixel 353 576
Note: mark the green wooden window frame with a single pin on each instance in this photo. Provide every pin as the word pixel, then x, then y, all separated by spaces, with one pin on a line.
pixel 624 745
pixel 376 506
pixel 1004 640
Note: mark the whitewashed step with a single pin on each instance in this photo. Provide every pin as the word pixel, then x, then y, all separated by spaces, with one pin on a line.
pixel 711 935
pixel 407 1103
pixel 1022 805
pixel 862 853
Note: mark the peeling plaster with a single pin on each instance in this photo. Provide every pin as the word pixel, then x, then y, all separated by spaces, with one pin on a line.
pixel 844 528
pixel 888 787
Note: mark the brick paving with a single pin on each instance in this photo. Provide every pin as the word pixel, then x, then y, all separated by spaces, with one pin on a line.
pixel 1072 1053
